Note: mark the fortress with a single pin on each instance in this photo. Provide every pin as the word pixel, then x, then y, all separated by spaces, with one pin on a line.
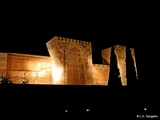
pixel 70 63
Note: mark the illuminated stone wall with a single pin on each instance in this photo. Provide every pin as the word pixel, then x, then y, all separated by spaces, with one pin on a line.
pixel 70 63
pixel 37 69
pixel 134 59
pixel 120 52
pixel 71 59
pixel 100 74
pixel 106 55
pixel 3 63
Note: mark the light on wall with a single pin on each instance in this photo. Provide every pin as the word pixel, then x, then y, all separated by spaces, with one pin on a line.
pixel 42 73
pixel 56 73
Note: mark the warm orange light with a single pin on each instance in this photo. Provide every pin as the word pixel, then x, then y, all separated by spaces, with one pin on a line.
pixel 56 73
pixel 42 73
pixel 145 109
pixel 66 110
pixel 87 110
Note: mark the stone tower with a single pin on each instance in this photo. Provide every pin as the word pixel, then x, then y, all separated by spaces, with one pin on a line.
pixel 71 61
pixel 120 52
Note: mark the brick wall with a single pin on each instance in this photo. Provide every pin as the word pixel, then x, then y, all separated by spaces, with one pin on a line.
pixel 35 68
pixel 73 58
pixel 3 63
pixel 70 62
pixel 100 74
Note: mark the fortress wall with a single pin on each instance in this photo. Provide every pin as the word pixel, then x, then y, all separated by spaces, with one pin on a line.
pixel 100 74
pixel 3 63
pixel 78 61
pixel 134 59
pixel 73 58
pixel 56 54
pixel 120 52
pixel 88 63
pixel 56 51
pixel 37 69
pixel 106 56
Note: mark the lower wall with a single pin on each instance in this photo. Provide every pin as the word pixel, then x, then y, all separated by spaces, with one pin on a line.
pixel 3 63
pixel 37 69
pixel 100 74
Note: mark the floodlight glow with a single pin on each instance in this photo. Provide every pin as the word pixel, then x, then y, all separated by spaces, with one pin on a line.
pixel 56 73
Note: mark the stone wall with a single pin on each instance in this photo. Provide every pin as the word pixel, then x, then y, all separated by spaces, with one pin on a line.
pixel 3 63
pixel 73 58
pixel 106 56
pixel 36 69
pixel 120 52
pixel 134 59
pixel 70 62
pixel 100 74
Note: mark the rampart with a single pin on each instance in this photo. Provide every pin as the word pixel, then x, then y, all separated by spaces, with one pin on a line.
pixel 70 63
pixel 100 74
pixel 37 69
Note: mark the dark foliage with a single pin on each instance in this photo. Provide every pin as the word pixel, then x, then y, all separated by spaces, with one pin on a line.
pixel 5 80
pixel 114 77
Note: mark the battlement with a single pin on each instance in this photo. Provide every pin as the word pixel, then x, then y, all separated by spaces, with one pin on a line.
pixel 100 65
pixel 69 40
pixel 106 50
pixel 3 55
pixel 119 47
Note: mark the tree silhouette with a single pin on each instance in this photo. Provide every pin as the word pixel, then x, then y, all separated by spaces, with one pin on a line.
pixel 114 76
pixel 130 69
pixel 25 81
pixel 5 80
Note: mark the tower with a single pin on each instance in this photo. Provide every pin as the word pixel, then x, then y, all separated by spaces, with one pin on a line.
pixel 120 54
pixel 71 61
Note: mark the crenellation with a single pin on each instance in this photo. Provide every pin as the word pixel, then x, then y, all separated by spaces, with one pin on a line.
pixel 67 40
pixel 77 41
pixel 70 40
pixel 84 43
pixel 100 65
pixel 87 43
pixel 74 41
pixel 60 38
pixel 105 50
pixel 55 38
